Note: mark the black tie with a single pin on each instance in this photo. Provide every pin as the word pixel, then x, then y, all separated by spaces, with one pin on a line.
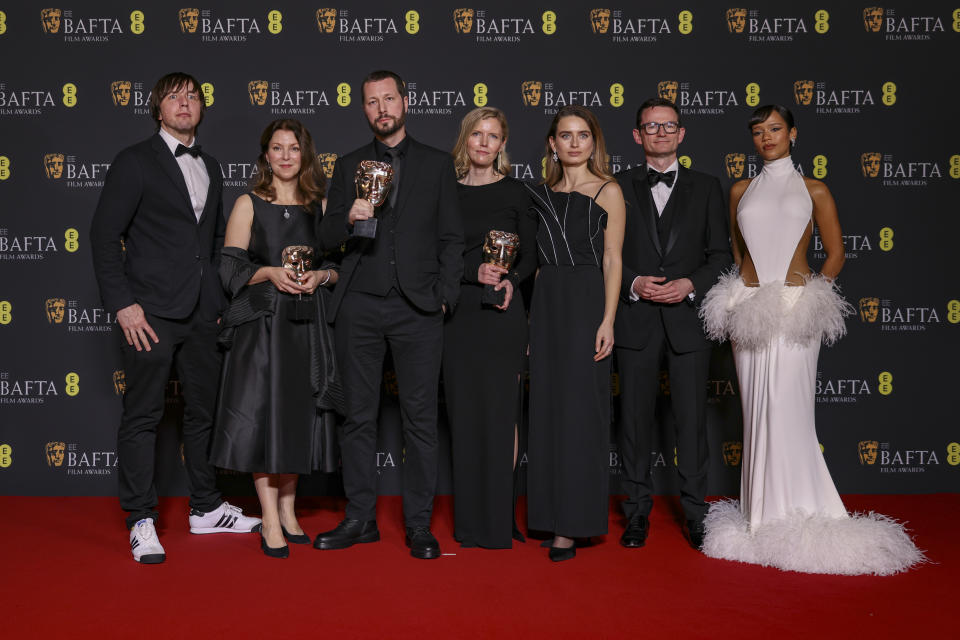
pixel 654 176
pixel 194 150
pixel 393 157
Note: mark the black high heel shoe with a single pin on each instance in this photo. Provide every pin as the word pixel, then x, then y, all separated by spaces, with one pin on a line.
pixel 559 554
pixel 300 538
pixel 274 552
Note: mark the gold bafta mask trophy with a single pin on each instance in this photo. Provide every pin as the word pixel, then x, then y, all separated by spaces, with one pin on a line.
pixel 373 180
pixel 298 258
pixel 500 249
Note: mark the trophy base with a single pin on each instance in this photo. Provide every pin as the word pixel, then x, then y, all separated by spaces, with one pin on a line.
pixel 365 228
pixel 491 296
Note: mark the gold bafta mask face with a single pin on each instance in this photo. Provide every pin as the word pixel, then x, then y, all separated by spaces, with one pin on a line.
pixel 500 248
pixel 600 20
pixel 803 91
pixel 873 19
pixel 50 19
pixel 189 20
pixel 463 20
pixel 54 452
pixel 119 382
pixel 736 20
pixel 55 308
pixel 120 90
pixel 327 20
pixel 869 309
pixel 327 162
pixel 373 180
pixel 868 451
pixel 297 258
pixel 258 92
pixel 667 89
pixel 53 165
pixel 732 453
pixel 735 163
pixel 870 164
pixel 531 90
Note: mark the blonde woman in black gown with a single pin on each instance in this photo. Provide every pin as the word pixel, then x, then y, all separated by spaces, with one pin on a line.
pixel 580 238
pixel 484 344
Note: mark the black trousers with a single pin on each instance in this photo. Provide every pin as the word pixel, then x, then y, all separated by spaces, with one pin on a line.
pixel 365 325
pixel 640 385
pixel 190 344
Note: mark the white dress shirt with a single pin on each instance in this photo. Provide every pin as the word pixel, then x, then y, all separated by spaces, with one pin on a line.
pixel 661 194
pixel 194 173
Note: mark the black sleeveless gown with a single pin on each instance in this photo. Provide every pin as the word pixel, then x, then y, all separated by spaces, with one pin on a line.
pixel 569 440
pixel 273 414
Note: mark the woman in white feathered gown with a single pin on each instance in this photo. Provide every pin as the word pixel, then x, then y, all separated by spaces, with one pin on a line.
pixel 775 312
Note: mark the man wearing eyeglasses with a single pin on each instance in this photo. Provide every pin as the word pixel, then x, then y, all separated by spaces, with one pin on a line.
pixel 675 247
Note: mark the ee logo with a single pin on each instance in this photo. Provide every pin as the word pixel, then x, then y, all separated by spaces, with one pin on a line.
pixel 822 21
pixel 955 167
pixel 480 94
pixel 889 90
pixel 753 94
pixel 343 94
pixel 3 23
pixel 820 167
pixel 412 19
pixel 886 383
pixel 685 22
pixel 685 161
pixel 73 384
pixel 4 167
pixel 274 22
pixel 616 95
pixel 72 237
pixel 6 456
pixel 207 90
pixel 5 312
pixel 886 239
pixel 549 22
pixel 953 454
pixel 136 22
pixel 70 94
pixel 953 311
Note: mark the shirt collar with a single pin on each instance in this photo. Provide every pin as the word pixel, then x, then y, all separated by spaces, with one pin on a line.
pixel 673 167
pixel 401 147
pixel 172 142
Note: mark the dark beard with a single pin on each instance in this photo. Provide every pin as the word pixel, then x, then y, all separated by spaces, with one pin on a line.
pixel 398 124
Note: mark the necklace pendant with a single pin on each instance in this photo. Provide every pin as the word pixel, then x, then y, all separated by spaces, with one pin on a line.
pixel 286 214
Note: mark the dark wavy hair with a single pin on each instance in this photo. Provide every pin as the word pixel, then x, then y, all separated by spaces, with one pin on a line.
pixel 598 164
pixel 167 85
pixel 311 184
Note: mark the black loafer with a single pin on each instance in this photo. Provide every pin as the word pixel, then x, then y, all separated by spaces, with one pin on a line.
pixel 695 533
pixel 299 538
pixel 348 533
pixel 422 543
pixel 635 535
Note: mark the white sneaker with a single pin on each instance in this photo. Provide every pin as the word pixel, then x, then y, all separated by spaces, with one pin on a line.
pixel 144 544
pixel 224 519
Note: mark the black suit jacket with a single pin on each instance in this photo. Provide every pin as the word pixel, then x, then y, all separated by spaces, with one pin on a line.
pixel 170 263
pixel 697 247
pixel 428 238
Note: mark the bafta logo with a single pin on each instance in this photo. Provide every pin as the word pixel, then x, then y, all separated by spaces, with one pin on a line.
pixel 734 162
pixel 50 19
pixel 189 20
pixel 870 164
pixel 600 20
pixel 258 92
pixel 327 162
pixel 803 92
pixel 868 451
pixel 873 19
pixel 120 90
pixel 732 453
pixel 736 20
pixel 53 165
pixel 326 20
pixel 55 308
pixel 463 20
pixel 869 309
pixel 531 90
pixel 667 89
pixel 54 452
pixel 119 382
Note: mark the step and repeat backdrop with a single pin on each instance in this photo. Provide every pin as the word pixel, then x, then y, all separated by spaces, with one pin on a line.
pixel 870 87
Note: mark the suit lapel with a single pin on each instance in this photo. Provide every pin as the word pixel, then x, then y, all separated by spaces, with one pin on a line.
pixel 677 204
pixel 648 216
pixel 172 169
pixel 411 167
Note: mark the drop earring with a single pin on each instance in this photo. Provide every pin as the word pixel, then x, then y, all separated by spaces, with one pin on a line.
pixel 555 157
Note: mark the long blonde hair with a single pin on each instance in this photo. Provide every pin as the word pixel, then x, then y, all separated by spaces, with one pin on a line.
pixel 461 161
pixel 599 162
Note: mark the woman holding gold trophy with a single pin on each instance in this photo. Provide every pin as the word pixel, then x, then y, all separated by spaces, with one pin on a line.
pixel 485 339
pixel 279 386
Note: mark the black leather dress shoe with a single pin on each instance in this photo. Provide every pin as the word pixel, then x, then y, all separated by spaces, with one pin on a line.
pixel 422 543
pixel 348 533
pixel 695 533
pixel 295 538
pixel 274 552
pixel 635 535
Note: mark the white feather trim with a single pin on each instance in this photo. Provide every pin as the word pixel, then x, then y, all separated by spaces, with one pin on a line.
pixel 860 544
pixel 753 317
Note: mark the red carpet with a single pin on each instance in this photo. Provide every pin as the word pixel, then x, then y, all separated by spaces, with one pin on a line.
pixel 67 572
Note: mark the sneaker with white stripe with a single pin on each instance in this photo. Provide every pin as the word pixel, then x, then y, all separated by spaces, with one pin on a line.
pixel 224 519
pixel 144 544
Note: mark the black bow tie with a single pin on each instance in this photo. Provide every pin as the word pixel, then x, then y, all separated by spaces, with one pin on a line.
pixel 654 176
pixel 194 150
